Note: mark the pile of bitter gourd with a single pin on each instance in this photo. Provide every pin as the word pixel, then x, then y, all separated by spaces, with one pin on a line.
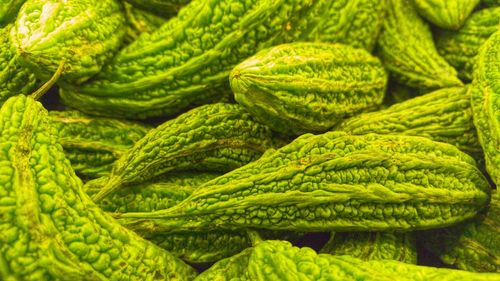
pixel 249 140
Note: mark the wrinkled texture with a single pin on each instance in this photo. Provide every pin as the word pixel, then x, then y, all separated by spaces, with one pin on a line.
pixel 186 62
pixel 15 79
pixel 8 10
pixel 160 7
pixel 93 144
pixel 51 230
pixel 214 137
pixel 373 246
pixel 447 14
pixel 352 22
pixel 407 49
pixel 301 88
pixel 83 33
pixel 460 47
pixel 485 99
pixel 334 182
pixel 139 22
pixel 444 115
pixel 473 245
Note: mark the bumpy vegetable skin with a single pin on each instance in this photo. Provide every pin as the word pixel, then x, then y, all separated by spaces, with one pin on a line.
pixel 84 34
pixel 301 87
pixel 214 137
pixel 444 115
pixel 8 10
pixel 187 61
pixel 373 245
pixel 51 230
pixel 448 14
pixel 335 182
pixel 460 47
pixel 139 22
pixel 485 92
pixel 93 144
pixel 407 49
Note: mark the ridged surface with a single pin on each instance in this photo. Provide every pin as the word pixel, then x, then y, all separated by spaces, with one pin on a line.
pixel 93 144
pixel 187 61
pixel 15 79
pixel 300 87
pixel 51 230
pixel 373 246
pixel 472 246
pixel 407 49
pixel 8 10
pixel 448 14
pixel 335 182
pixel 279 260
pixel 460 47
pixel 214 137
pixel 352 22
pixel 140 21
pixel 485 92
pixel 161 7
pixel 444 115
pixel 83 33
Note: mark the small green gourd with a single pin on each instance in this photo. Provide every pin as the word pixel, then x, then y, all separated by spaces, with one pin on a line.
pixel 447 14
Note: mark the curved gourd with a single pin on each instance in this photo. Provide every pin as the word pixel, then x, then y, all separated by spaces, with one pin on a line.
pixel 84 34
pixel 300 87
pixel 15 79
pixel 407 49
pixel 139 22
pixel 51 230
pixel 93 144
pixel 334 182
pixel 187 61
pixel 8 10
pixel 485 92
pixel 460 47
pixel 214 137
pixel 447 14
pixel 373 245
pixel 444 115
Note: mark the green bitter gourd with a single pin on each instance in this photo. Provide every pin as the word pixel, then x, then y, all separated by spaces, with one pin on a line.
pixel 139 22
pixel 447 14
pixel 8 10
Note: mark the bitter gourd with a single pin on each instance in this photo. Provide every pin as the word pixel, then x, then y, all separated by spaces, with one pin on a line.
pixel 51 230
pixel 187 61
pixel 352 22
pixel 444 115
pixel 335 182
pixel 472 246
pixel 485 92
pixel 14 78
pixel 447 14
pixel 8 10
pixel 214 137
pixel 160 7
pixel 373 246
pixel 139 22
pixel 460 47
pixel 300 87
pixel 407 49
pixel 279 260
pixel 93 144
pixel 82 33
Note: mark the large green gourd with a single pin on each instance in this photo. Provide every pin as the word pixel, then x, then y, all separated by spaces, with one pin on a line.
pixel 335 182
pixel 139 22
pixel 278 260
pixel 485 96
pixel 460 47
pixel 160 7
pixel 187 61
pixel 8 10
pixel 214 137
pixel 407 49
pixel 15 79
pixel 300 87
pixel 352 22
pixel 51 230
pixel 448 14
pixel 444 115
pixel 472 246
pixel 93 144
pixel 83 33
pixel 373 245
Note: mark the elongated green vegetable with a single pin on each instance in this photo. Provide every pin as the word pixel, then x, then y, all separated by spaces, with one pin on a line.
pixel 334 182
pixel 448 14
pixel 139 22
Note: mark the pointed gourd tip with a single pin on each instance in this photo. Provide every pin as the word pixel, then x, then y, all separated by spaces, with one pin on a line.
pixel 112 185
